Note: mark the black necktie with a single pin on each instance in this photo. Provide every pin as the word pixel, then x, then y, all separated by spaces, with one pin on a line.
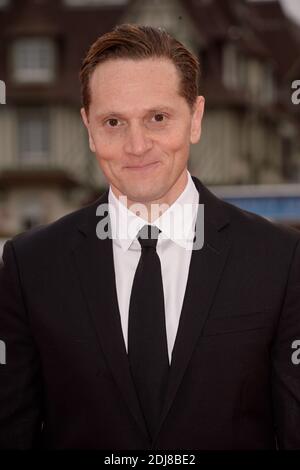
pixel 147 340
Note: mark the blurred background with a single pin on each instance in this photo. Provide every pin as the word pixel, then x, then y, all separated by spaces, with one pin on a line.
pixel 249 153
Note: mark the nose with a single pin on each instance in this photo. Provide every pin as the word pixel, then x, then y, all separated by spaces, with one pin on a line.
pixel 137 140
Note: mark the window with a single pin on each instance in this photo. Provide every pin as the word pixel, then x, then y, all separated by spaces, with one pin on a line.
pixel 33 134
pixel 30 210
pixel 268 85
pixel 230 66
pixel 33 60
pixel 94 3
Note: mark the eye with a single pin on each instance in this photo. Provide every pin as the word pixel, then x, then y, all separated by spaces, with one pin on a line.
pixel 113 122
pixel 160 117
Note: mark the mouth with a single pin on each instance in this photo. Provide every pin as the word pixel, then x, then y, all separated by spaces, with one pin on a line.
pixel 142 167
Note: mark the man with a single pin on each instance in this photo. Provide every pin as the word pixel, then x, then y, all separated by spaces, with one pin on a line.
pixel 139 341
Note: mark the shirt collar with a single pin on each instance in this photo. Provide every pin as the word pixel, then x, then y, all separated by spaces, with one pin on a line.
pixel 176 223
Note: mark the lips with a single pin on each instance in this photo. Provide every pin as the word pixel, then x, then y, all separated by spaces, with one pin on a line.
pixel 140 167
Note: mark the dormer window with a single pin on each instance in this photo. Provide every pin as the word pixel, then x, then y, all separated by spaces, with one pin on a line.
pixel 33 60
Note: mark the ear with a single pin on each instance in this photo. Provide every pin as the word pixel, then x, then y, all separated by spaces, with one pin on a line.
pixel 87 125
pixel 197 116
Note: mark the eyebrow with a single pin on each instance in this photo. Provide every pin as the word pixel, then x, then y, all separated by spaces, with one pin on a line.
pixel 146 111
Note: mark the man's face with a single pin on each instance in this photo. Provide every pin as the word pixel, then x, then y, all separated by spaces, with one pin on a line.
pixel 140 128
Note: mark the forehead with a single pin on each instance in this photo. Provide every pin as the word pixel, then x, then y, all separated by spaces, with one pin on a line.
pixel 126 80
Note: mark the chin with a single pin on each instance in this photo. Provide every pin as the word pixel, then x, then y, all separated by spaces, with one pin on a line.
pixel 142 196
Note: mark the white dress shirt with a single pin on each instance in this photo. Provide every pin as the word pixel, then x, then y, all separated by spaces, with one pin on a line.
pixel 172 248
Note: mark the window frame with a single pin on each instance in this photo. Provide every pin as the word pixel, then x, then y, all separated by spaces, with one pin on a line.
pixel 26 156
pixel 37 74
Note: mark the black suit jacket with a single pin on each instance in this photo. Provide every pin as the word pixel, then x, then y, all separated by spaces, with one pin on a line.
pixel 232 385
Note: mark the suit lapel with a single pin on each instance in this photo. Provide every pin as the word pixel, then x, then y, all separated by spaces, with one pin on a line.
pixel 95 267
pixel 204 275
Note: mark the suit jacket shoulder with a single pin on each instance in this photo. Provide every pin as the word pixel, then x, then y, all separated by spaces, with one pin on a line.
pixel 244 223
pixel 55 236
pixel 246 227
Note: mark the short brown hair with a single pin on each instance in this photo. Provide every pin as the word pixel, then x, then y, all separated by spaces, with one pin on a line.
pixel 141 42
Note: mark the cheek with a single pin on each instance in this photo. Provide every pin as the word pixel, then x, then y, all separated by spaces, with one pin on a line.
pixel 176 140
pixel 108 149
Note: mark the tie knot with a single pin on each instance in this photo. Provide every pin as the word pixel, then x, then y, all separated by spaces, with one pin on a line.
pixel 148 236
